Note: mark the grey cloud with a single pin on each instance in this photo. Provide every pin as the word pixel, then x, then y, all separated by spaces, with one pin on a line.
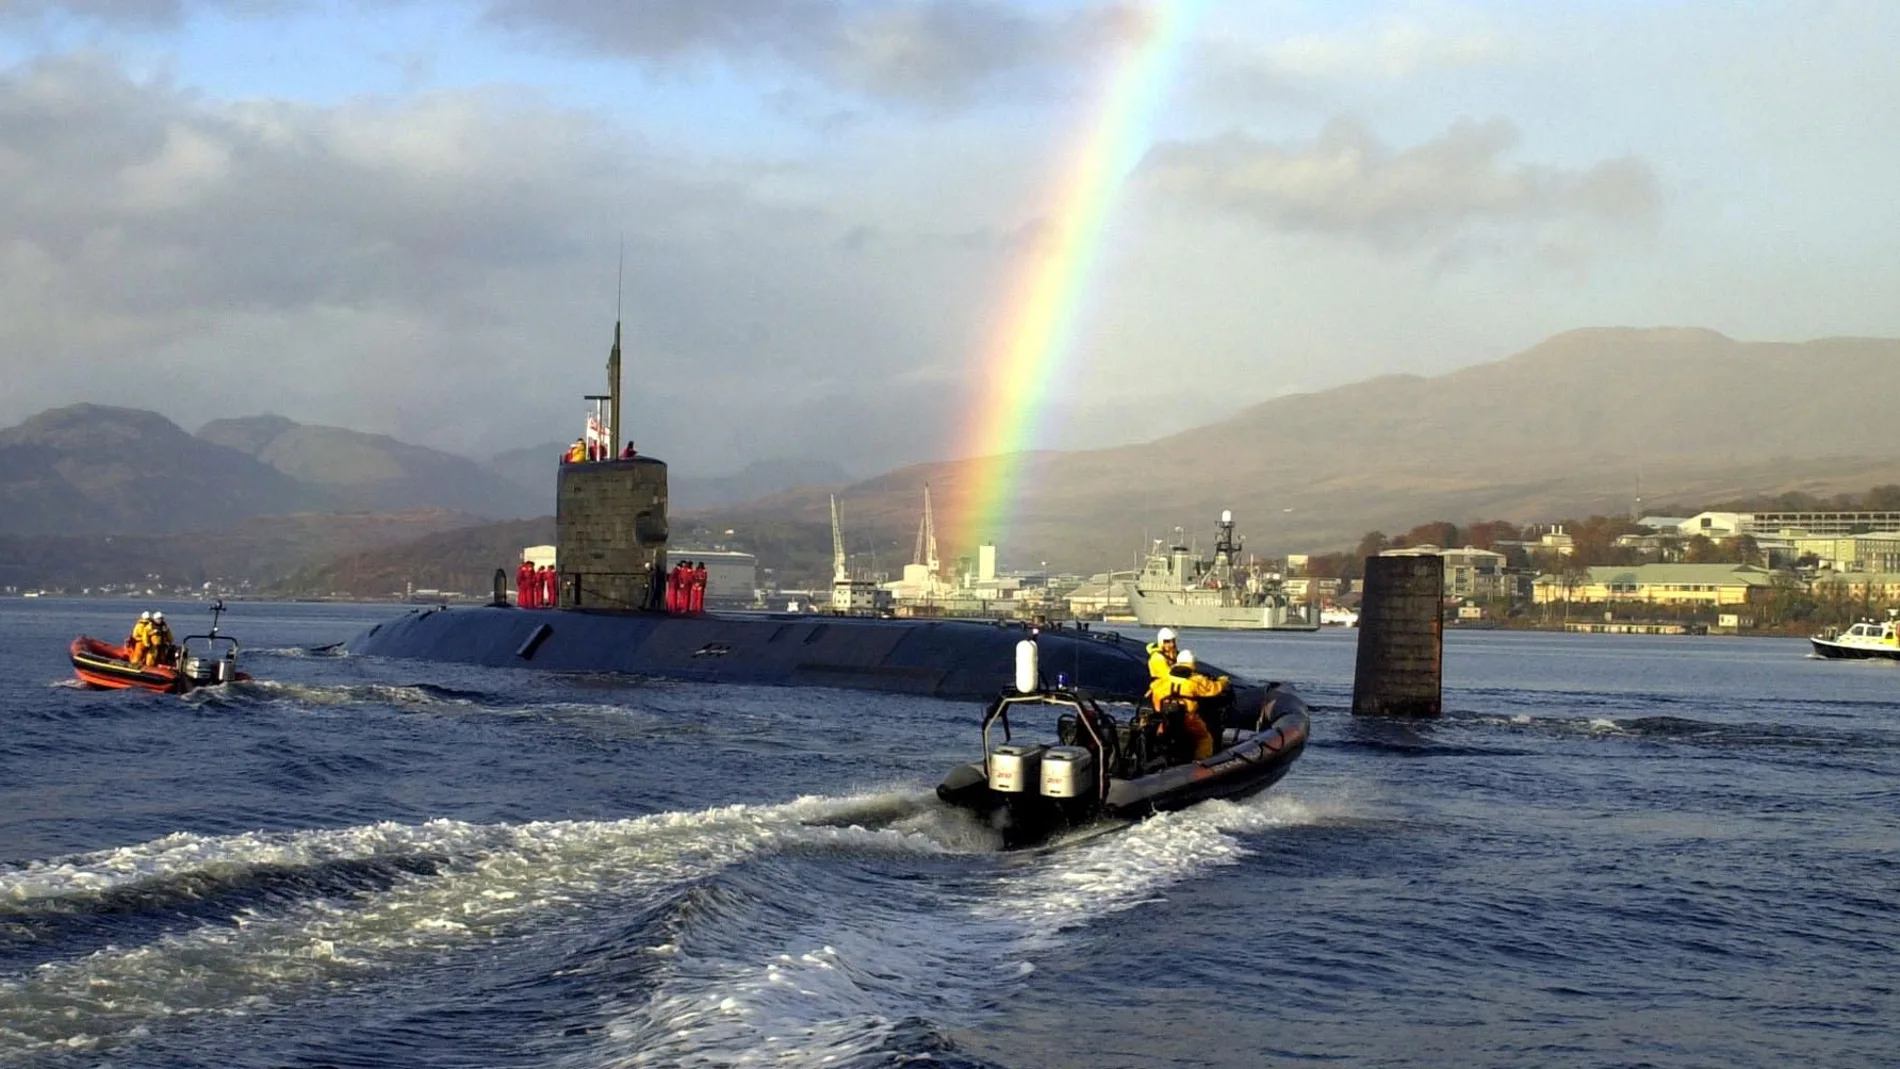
pixel 442 269
pixel 1451 194
pixel 931 51
pixel 139 13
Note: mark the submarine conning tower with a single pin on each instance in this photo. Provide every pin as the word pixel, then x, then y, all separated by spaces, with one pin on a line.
pixel 610 534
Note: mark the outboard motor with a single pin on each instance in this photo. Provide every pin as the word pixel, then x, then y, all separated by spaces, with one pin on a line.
pixel 200 670
pixel 1014 766
pixel 227 670
pixel 1067 772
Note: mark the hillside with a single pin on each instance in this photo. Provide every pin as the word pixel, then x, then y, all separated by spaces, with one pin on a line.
pixel 462 560
pixel 93 469
pixel 1572 425
pixel 374 472
pixel 261 549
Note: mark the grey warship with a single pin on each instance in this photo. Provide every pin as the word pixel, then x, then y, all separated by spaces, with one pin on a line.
pixel 1180 589
pixel 610 616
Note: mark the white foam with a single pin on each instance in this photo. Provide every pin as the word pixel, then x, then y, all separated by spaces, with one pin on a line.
pixel 837 992
pixel 329 695
pixel 495 880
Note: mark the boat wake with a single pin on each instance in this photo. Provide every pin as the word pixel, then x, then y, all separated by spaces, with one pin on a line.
pixel 260 691
pixel 766 928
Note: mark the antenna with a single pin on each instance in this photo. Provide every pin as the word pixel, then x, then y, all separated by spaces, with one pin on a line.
pixel 839 573
pixel 613 362
pixel 930 535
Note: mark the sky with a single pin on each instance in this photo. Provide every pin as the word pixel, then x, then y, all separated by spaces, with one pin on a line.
pixel 422 219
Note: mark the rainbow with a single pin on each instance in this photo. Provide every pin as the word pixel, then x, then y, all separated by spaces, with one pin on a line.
pixel 1045 307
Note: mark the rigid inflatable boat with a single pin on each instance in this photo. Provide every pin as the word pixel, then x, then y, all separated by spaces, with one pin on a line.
pixel 1101 767
pixel 200 661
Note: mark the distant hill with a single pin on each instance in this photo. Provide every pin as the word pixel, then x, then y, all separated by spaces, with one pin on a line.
pixel 374 472
pixel 462 560
pixel 534 470
pixel 761 478
pixel 93 469
pixel 262 549
pixel 1573 425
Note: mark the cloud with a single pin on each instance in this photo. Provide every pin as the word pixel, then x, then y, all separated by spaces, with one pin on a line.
pixel 441 268
pixel 920 51
pixel 1394 47
pixel 1452 194
pixel 149 14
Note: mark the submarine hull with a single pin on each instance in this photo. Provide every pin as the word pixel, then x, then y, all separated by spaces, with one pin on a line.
pixel 956 659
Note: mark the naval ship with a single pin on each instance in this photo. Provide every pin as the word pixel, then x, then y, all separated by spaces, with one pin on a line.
pixel 1178 588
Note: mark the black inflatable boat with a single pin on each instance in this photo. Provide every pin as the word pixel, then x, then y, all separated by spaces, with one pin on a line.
pixel 1105 767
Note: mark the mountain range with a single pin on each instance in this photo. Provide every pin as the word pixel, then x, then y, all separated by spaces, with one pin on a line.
pixel 1591 421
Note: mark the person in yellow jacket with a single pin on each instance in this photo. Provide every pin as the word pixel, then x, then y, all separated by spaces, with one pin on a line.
pixel 140 638
pixel 1184 683
pixel 1161 654
pixel 161 644
pixel 577 453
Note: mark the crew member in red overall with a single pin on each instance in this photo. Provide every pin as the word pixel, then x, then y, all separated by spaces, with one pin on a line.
pixel 521 585
pixel 547 597
pixel 699 587
pixel 677 587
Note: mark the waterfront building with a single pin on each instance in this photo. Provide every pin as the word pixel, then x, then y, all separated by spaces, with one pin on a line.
pixel 1864 587
pixel 1852 553
pixel 1469 572
pixel 1656 584
pixel 1831 523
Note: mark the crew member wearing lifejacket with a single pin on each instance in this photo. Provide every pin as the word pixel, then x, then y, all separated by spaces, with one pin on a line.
pixel 523 575
pixel 699 587
pixel 162 646
pixel 136 642
pixel 1161 654
pixel 577 453
pixel 1184 684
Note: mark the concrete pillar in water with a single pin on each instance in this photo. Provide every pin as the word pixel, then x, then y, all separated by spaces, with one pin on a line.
pixel 1401 638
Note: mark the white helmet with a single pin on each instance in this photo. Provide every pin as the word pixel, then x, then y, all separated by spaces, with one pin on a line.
pixel 158 616
pixel 1186 658
pixel 146 615
pixel 1166 634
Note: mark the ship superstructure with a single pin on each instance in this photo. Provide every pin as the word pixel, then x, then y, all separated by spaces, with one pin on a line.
pixel 1179 588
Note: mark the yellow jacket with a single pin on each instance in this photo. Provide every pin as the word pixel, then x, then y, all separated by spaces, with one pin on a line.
pixel 161 634
pixel 1159 663
pixel 1188 685
pixel 141 633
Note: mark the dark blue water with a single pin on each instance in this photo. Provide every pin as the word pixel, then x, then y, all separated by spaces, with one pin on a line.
pixel 1613 851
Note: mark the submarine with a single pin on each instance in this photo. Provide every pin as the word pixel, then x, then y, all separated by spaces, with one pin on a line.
pixel 610 616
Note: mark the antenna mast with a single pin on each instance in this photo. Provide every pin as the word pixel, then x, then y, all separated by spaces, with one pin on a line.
pixel 930 535
pixel 838 572
pixel 613 361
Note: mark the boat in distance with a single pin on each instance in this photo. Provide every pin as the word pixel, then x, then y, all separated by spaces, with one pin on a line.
pixel 1102 769
pixel 1180 589
pixel 1869 640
